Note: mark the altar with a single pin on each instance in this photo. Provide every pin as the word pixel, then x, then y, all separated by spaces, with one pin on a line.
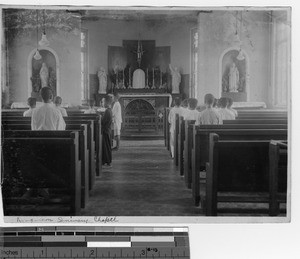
pixel 143 113
pixel 142 74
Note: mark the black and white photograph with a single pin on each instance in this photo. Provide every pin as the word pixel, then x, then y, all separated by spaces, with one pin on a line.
pixel 146 111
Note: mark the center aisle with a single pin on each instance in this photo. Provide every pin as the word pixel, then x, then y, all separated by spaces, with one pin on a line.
pixel 142 182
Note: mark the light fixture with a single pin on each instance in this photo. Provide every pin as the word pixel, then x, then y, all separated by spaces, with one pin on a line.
pixel 37 55
pixel 44 41
pixel 240 56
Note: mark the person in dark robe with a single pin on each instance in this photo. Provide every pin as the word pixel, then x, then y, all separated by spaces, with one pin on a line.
pixel 106 122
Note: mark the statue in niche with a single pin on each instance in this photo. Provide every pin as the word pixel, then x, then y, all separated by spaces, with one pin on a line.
pixel 102 81
pixel 233 78
pixel 44 75
pixel 36 82
pixel 176 78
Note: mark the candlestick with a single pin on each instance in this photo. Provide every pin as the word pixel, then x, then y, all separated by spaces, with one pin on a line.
pixel 123 79
pixel 147 79
pixel 129 78
pixel 153 79
pixel 160 78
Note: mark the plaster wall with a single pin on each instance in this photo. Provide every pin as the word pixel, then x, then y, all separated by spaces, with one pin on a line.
pixel 67 48
pixel 215 36
pixel 173 33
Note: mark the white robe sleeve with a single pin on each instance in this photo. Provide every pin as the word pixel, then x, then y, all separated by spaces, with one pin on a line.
pixel 61 125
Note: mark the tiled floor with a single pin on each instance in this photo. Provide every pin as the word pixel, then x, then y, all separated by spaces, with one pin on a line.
pixel 142 182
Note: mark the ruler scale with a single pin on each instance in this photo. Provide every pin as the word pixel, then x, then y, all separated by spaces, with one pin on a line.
pixel 94 242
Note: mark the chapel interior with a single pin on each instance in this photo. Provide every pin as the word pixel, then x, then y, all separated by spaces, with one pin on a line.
pixel 139 51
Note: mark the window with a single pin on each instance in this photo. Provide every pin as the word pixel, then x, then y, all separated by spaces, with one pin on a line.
pixel 84 66
pixel 194 62
pixel 281 61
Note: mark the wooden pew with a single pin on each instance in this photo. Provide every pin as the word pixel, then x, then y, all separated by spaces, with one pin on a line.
pixel 83 152
pixel 41 163
pixel 257 117
pixel 245 126
pixel 26 125
pixel 237 171
pixel 97 136
pixel 176 136
pixel 186 138
pixel 264 112
pixel 256 121
pixel 80 117
pixel 188 146
pixel 200 151
pixel 181 138
pixel 278 159
pixel 167 127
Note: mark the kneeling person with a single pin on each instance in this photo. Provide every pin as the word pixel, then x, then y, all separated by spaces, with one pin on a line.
pixel 31 101
pixel 58 102
pixel 210 115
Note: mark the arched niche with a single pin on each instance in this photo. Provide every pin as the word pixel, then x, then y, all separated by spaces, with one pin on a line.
pixel 50 58
pixel 242 91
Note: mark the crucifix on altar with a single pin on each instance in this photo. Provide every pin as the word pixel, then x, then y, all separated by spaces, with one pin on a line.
pixel 139 52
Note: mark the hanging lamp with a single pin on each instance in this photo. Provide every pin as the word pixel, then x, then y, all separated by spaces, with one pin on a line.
pixel 37 55
pixel 44 41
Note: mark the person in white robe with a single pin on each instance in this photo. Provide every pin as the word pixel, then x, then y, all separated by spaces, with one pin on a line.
pixel 192 113
pixel 58 102
pixel 184 105
pixel 224 112
pixel 210 115
pixel 31 101
pixel 117 120
pixel 47 117
pixel 229 107
pixel 177 109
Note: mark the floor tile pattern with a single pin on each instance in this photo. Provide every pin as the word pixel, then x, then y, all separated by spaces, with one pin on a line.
pixel 142 182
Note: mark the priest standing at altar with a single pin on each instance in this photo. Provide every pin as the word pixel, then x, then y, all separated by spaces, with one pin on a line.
pixel 117 120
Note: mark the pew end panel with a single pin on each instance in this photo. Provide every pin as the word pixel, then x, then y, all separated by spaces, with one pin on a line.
pixel 42 163
pixel 176 136
pixel 181 140
pixel 238 172
pixel 82 152
pixel 188 146
pixel 195 167
pixel 278 160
